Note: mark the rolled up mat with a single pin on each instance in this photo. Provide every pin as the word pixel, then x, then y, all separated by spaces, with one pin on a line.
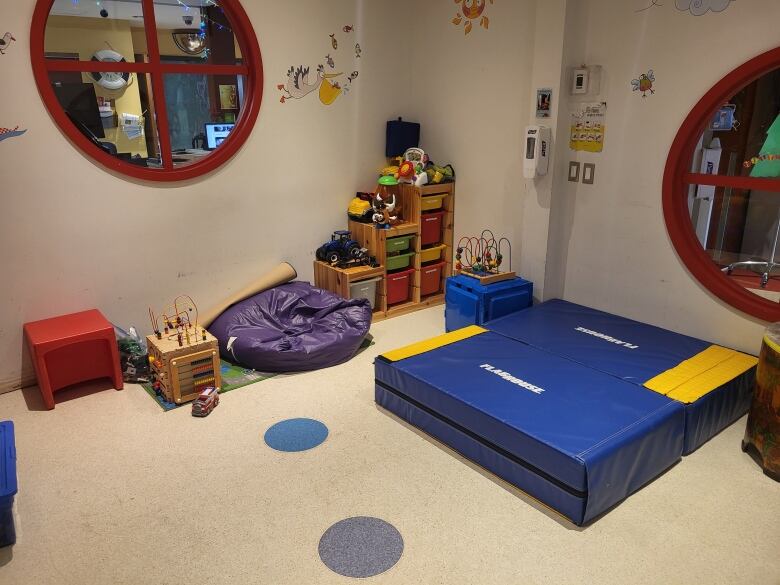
pixel 279 275
pixel 763 425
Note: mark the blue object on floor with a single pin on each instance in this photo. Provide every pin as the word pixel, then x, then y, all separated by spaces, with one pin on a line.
pixel 361 547
pixel 632 351
pixel 8 485
pixel 296 434
pixel 575 438
pixel 471 303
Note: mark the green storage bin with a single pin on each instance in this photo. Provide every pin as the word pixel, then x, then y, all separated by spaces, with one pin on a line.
pixel 399 244
pixel 399 261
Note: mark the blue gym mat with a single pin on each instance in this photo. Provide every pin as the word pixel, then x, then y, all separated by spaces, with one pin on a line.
pixel 635 352
pixel 577 439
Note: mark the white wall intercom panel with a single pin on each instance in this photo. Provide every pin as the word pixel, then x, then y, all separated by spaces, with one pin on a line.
pixel 586 80
pixel 537 151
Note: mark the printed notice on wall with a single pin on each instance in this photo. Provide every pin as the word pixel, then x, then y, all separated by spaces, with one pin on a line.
pixel 588 124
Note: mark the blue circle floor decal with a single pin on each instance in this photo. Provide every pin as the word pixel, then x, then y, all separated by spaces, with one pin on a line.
pixel 296 434
pixel 361 547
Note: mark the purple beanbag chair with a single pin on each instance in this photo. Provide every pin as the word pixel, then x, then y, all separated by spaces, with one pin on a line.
pixel 293 327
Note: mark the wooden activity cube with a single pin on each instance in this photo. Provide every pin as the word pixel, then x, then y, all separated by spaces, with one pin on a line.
pixel 184 371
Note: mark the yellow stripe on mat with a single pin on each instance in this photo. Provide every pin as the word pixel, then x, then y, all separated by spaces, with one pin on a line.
pixel 701 374
pixel 433 343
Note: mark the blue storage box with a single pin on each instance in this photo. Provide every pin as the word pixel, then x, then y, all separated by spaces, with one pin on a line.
pixel 471 303
pixel 8 485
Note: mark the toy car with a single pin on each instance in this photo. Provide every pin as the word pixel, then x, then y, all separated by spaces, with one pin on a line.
pixel 205 402
pixel 360 208
pixel 341 250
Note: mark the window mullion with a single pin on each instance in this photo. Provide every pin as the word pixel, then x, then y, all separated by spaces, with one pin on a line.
pixel 745 183
pixel 158 87
pixel 82 66
pixel 203 69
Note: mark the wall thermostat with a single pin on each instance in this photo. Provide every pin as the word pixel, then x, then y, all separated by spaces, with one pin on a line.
pixel 585 80
pixel 580 81
pixel 537 151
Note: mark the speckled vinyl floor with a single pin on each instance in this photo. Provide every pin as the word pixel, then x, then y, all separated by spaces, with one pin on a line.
pixel 113 491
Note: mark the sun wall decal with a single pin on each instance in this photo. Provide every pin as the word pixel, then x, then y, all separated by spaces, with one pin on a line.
pixel 470 12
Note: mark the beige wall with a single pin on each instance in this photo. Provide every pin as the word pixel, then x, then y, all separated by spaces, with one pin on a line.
pixel 603 245
pixel 616 250
pixel 75 236
pixel 472 96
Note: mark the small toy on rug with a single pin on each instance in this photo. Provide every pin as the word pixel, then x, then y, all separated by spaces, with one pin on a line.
pixel 184 359
pixel 233 377
pixel 482 257
pixel 205 402
pixel 132 355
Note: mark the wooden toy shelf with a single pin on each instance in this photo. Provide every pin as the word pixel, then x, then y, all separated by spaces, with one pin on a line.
pixel 338 280
pixel 410 199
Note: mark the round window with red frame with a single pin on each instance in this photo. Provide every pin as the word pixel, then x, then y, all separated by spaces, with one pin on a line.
pixel 161 90
pixel 721 191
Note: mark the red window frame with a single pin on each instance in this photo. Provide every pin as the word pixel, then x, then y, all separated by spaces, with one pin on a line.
pixel 251 69
pixel 677 178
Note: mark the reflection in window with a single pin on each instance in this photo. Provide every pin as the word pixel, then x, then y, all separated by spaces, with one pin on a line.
pixel 199 31
pixel 160 108
pixel 202 110
pixel 747 129
pixel 107 119
pixel 739 227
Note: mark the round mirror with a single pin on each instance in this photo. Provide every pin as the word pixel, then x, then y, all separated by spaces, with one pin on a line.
pixel 722 188
pixel 155 89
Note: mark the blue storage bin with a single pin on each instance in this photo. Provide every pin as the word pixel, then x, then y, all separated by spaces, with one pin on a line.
pixel 471 303
pixel 8 484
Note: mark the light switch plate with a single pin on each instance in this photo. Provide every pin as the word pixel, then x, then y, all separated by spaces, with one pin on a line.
pixel 574 171
pixel 588 173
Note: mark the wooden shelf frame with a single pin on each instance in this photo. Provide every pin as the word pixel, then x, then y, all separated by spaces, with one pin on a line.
pixel 339 280
pixel 375 240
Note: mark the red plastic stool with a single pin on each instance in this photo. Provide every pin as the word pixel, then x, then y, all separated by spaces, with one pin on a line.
pixel 73 348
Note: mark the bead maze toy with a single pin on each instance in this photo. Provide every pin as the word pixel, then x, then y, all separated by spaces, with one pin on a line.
pixel 184 357
pixel 481 258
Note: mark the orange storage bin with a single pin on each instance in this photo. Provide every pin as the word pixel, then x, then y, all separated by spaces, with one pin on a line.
pixel 430 230
pixel 430 278
pixel 399 286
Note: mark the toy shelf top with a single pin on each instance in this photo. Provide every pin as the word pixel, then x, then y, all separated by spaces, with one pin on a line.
pixel 437 188
pixel 401 229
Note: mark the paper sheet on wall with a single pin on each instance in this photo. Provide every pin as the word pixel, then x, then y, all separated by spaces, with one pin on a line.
pixel 588 125
pixel 132 125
